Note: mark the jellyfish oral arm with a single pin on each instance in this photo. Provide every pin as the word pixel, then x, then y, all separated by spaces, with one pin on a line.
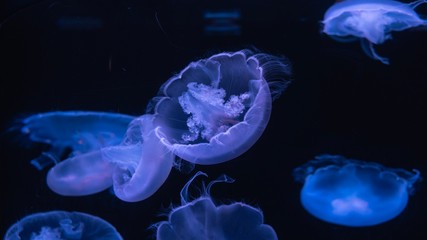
pixel 368 48
pixel 209 113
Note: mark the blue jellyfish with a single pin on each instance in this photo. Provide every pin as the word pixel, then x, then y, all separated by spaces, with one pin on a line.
pixel 372 21
pixel 131 158
pixel 80 131
pixel 202 219
pixel 354 193
pixel 61 225
pixel 216 109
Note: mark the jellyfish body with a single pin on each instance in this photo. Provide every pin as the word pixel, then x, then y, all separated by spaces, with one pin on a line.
pixel 61 225
pixel 216 109
pixel 372 21
pixel 135 163
pixel 142 162
pixel 202 219
pixel 353 193
pixel 80 131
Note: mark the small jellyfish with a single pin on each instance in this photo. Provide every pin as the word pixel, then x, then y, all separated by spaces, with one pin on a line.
pixel 61 225
pixel 372 21
pixel 131 158
pixel 354 193
pixel 78 131
pixel 216 109
pixel 202 219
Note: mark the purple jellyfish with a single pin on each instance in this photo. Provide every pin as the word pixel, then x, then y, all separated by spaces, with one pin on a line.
pixel 354 193
pixel 61 225
pixel 216 109
pixel 372 21
pixel 202 219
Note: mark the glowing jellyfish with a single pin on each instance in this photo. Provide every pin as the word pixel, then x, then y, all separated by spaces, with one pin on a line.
pixel 135 163
pixel 142 163
pixel 354 193
pixel 216 109
pixel 61 225
pixel 78 131
pixel 371 20
pixel 202 219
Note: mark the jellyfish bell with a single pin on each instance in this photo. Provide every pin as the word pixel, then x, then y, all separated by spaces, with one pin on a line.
pixel 56 225
pixel 80 132
pixel 354 193
pixel 142 162
pixel 216 109
pixel 372 21
pixel 201 218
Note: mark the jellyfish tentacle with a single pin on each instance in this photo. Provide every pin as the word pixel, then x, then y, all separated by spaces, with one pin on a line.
pixel 221 179
pixel 368 48
pixel 184 190
pixel 416 3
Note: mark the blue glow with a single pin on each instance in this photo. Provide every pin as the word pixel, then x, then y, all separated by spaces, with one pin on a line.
pixel 354 193
pixel 225 22
pixel 202 219
pixel 142 163
pixel 216 109
pixel 57 225
pixel 371 20
pixel 82 132
pixel 226 14
pixel 108 150
pixel 213 111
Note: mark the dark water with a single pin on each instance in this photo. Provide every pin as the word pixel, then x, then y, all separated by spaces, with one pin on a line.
pixel 114 55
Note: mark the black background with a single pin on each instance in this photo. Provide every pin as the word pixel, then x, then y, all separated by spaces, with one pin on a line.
pixel 340 102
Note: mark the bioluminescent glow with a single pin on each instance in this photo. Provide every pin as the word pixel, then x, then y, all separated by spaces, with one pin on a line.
pixel 108 150
pixel 141 163
pixel 61 225
pixel 78 131
pixel 372 21
pixel 202 219
pixel 216 109
pixel 354 193
pixel 213 111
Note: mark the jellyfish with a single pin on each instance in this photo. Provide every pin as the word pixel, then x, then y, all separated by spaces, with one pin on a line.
pixel 217 108
pixel 354 193
pixel 203 219
pixel 134 162
pixel 61 225
pixel 78 131
pixel 372 21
